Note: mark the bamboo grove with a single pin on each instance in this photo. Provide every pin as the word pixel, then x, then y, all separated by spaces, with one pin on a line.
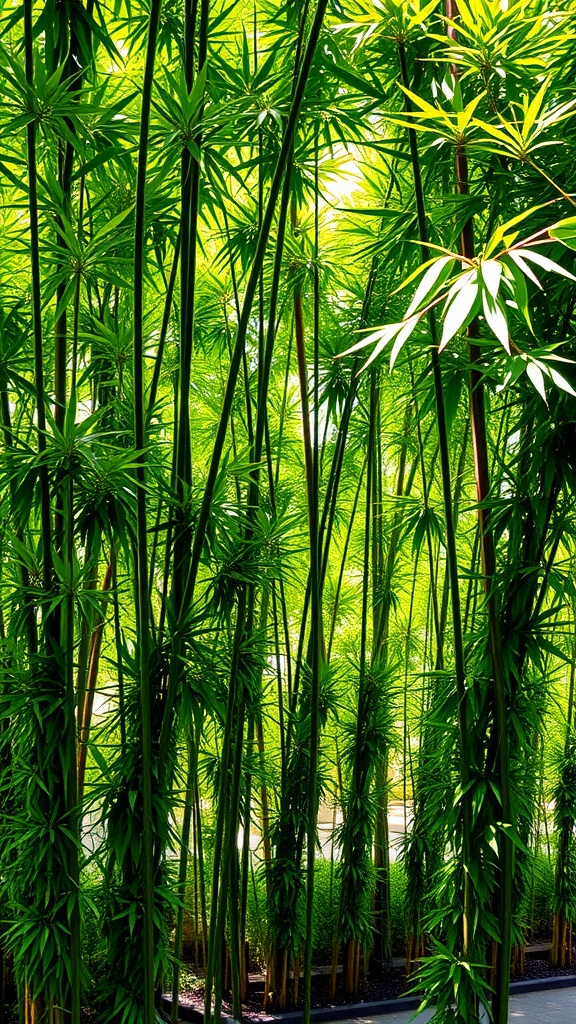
pixel 287 461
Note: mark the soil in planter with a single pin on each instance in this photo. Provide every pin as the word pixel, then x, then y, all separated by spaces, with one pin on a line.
pixel 390 985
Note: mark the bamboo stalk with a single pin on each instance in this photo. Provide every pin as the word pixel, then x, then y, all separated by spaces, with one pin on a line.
pixel 246 861
pixel 141 556
pixel 37 306
pixel 488 556
pixel 220 870
pixel 192 752
pixel 451 552
pixel 249 295
pixel 85 715
pixel 190 198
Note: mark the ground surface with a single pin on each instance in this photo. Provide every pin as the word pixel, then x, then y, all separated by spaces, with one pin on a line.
pixel 557 1007
pixel 553 1007
pixel 391 985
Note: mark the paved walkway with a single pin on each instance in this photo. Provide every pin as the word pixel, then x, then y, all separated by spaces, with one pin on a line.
pixel 552 1007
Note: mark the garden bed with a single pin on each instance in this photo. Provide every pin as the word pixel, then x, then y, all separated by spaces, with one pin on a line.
pixel 376 995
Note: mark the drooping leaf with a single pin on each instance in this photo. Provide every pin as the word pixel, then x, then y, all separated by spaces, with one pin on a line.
pixel 515 281
pixel 565 231
pixel 402 338
pixel 545 263
pixel 460 306
pixel 537 377
pixel 496 319
pixel 431 283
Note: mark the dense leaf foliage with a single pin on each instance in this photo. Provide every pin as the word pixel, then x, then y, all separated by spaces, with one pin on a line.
pixel 287 474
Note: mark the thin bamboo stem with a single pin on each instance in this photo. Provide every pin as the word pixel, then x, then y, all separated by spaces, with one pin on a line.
pixel 141 556
pixel 451 552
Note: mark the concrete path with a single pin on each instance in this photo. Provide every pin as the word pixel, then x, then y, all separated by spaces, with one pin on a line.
pixel 552 1007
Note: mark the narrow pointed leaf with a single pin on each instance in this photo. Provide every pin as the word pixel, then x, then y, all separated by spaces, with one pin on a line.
pixel 502 234
pixel 535 107
pixel 496 319
pixel 515 281
pixel 406 328
pixel 383 335
pixel 459 308
pixel 537 377
pixel 565 231
pixel 546 263
pixel 491 271
pixel 430 283
pixel 526 270
pixel 402 338
pixel 561 381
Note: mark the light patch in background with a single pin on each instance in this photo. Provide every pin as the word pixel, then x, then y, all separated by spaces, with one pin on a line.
pixel 102 703
pixel 340 177
pixel 122 49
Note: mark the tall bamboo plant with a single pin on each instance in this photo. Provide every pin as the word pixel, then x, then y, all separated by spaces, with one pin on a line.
pixel 221 551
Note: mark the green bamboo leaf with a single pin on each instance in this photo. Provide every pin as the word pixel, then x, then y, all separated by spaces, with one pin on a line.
pixel 537 377
pixel 490 276
pixel 515 281
pixel 431 282
pixel 403 330
pixel 26 556
pixel 261 78
pixel 113 224
pixel 496 319
pixel 523 266
pixel 67 295
pixel 433 113
pixel 197 93
pixel 400 341
pixel 106 155
pixel 382 336
pixel 491 272
pixel 362 85
pixel 513 836
pixel 245 56
pixel 561 381
pixel 545 263
pixel 63 571
pixel 18 182
pixel 460 306
pixel 505 235
pixel 535 107
pixel 565 231
pixel 222 15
